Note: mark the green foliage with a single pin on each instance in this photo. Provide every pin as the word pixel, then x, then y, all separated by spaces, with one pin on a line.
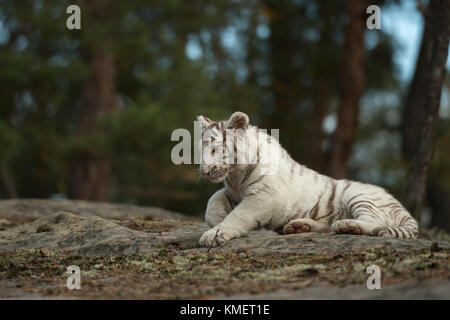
pixel 162 87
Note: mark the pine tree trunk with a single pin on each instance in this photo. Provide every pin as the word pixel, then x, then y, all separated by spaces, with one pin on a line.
pixel 438 21
pixel 322 92
pixel 316 155
pixel 415 99
pixel 9 185
pixel 352 87
pixel 90 175
pixel 284 83
pixel 439 200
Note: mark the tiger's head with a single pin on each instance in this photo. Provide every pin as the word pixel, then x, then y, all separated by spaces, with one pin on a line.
pixel 222 143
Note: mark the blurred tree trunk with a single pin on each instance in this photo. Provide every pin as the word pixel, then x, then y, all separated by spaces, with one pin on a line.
pixel 284 80
pixel 439 200
pixel 352 86
pixel 415 99
pixel 321 106
pixel 435 42
pixel 89 175
pixel 9 185
pixel 284 59
pixel 251 46
pixel 322 91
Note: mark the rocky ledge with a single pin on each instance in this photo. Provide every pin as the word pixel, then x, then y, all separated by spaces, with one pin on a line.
pixel 135 252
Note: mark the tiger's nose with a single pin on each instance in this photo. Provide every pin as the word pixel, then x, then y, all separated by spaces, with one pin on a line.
pixel 203 172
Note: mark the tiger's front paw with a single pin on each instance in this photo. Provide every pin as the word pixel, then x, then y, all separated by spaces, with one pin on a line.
pixel 297 226
pixel 303 225
pixel 215 237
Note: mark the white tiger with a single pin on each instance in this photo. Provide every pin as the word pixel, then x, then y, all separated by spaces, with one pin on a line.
pixel 295 199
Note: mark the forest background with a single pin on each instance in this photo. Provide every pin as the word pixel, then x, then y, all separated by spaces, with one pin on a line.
pixel 88 114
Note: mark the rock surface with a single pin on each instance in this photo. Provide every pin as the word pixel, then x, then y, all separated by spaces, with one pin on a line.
pixel 23 210
pixel 133 252
pixel 97 236
pixel 429 289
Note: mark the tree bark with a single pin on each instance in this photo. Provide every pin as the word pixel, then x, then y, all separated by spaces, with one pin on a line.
pixel 9 185
pixel 251 47
pixel 438 22
pixel 439 200
pixel 322 92
pixel 321 106
pixel 90 175
pixel 284 80
pixel 285 87
pixel 415 99
pixel 352 87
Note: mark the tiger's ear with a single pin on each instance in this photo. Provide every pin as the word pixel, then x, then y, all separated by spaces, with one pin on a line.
pixel 238 120
pixel 204 121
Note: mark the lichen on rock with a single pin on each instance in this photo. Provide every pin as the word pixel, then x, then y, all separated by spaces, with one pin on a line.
pixel 140 257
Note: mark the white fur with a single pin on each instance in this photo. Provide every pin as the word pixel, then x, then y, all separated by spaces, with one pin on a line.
pixel 292 198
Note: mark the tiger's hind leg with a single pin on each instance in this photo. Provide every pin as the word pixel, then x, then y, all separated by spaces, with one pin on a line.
pixel 363 223
pixel 374 212
pixel 305 225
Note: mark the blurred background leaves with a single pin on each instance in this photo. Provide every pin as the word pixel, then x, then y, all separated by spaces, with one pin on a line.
pixel 89 113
